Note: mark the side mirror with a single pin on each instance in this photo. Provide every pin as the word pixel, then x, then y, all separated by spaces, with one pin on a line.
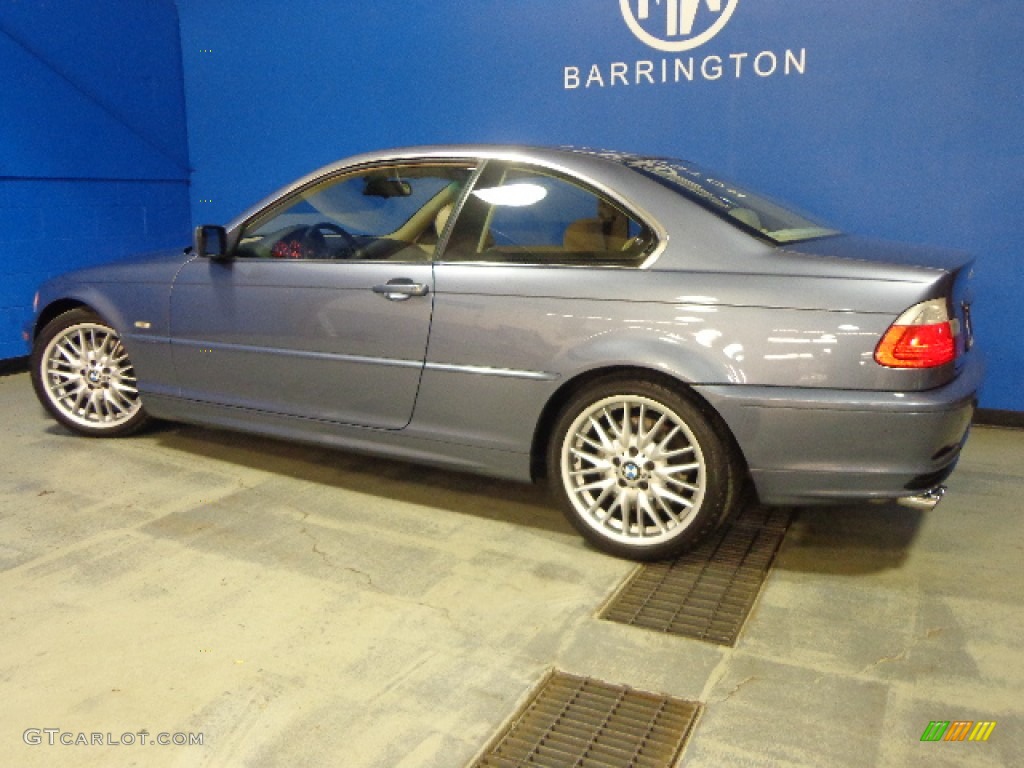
pixel 210 242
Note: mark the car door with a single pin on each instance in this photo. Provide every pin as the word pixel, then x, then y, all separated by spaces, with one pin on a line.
pixel 532 279
pixel 322 310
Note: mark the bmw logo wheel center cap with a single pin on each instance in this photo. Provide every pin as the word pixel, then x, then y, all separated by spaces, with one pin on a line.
pixel 633 472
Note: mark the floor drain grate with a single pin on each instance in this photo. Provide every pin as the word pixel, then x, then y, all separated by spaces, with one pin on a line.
pixel 577 722
pixel 706 594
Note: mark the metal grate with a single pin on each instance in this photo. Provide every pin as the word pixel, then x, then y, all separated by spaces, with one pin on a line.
pixel 577 722
pixel 706 594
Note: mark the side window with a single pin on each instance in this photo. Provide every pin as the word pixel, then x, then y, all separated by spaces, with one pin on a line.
pixel 521 215
pixel 383 213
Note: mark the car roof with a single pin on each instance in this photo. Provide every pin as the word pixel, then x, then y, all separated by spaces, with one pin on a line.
pixel 600 168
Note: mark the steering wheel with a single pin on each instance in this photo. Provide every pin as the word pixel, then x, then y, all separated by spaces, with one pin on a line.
pixel 314 242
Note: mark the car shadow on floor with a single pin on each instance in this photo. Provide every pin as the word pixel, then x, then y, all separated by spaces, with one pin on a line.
pixel 851 539
pixel 840 540
pixel 384 478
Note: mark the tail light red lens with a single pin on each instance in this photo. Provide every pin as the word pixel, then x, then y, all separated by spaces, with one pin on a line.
pixel 922 337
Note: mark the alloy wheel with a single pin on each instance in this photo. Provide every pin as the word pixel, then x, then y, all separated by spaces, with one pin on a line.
pixel 633 470
pixel 88 377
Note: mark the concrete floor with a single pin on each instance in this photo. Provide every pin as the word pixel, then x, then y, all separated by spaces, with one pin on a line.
pixel 302 607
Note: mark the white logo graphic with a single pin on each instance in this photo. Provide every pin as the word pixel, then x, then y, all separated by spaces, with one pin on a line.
pixel 688 23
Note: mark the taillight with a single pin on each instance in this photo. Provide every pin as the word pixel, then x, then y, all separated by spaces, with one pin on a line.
pixel 922 337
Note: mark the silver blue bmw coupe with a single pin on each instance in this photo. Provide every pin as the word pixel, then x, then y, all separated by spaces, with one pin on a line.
pixel 649 337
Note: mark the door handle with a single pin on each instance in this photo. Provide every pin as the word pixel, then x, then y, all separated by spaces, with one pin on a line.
pixel 401 289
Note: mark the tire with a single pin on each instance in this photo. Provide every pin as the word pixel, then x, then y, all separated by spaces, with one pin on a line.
pixel 640 470
pixel 82 375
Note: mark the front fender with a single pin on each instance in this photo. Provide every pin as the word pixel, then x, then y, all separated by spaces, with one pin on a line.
pixel 138 312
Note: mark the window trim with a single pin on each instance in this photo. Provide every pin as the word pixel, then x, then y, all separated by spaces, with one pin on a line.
pixel 288 198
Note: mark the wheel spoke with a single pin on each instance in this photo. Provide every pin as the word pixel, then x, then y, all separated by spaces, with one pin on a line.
pixel 84 346
pixel 676 453
pixel 621 504
pixel 625 427
pixel 684 486
pixel 664 493
pixel 603 483
pixel 650 434
pixel 592 443
pixel 126 388
pixel 606 442
pixel 644 505
pixel 672 469
pixel 596 461
pixel 98 406
pixel 71 356
pixel 81 399
pixel 599 501
pixel 116 401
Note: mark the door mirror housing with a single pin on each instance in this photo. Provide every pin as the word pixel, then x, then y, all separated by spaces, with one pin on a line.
pixel 210 241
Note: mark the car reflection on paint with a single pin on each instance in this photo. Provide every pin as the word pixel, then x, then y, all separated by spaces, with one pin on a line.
pixel 650 338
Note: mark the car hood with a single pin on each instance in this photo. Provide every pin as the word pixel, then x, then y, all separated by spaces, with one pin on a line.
pixel 156 267
pixel 853 248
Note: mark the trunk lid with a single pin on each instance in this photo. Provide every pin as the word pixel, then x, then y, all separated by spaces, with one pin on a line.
pixel 955 284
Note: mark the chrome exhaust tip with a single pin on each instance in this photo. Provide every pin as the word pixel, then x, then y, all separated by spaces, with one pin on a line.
pixel 924 502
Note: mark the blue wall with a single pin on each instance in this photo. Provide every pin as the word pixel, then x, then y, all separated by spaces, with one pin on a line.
pixel 93 155
pixel 900 120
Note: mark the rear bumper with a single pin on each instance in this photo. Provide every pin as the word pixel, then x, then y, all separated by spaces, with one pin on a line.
pixel 806 446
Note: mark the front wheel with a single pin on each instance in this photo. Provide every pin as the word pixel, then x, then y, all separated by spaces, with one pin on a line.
pixel 84 378
pixel 641 471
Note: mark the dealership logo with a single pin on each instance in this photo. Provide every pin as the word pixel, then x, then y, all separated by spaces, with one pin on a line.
pixel 675 28
pixel 676 25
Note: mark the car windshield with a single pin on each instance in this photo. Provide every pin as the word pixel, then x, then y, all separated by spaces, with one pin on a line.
pixel 752 211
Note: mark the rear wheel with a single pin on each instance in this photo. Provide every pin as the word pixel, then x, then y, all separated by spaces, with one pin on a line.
pixel 84 378
pixel 640 470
